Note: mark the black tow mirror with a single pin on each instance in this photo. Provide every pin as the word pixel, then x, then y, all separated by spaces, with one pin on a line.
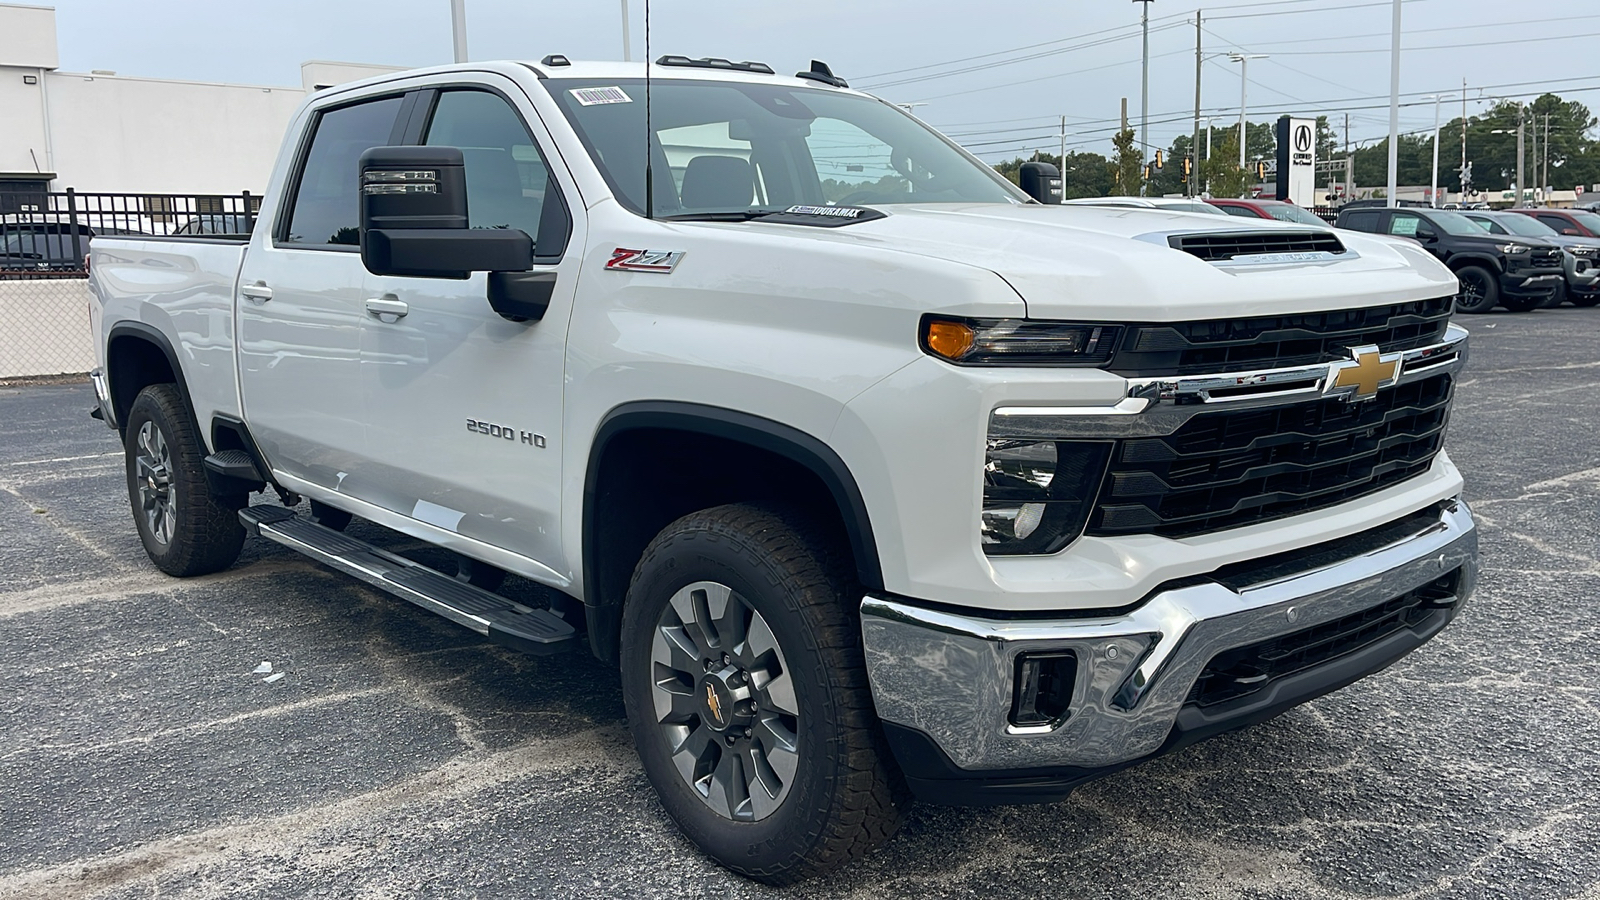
pixel 1041 181
pixel 414 218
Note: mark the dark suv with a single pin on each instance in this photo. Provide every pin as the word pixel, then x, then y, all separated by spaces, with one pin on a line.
pixel 1517 273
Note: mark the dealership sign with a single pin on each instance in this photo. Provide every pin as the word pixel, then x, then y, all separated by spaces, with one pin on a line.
pixel 1297 161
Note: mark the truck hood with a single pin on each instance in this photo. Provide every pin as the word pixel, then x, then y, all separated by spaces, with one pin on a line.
pixel 1115 264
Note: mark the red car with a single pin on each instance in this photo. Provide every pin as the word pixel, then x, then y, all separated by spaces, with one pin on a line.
pixel 1571 222
pixel 1268 209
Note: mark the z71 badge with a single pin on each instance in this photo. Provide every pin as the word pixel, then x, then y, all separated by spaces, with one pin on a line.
pixel 662 261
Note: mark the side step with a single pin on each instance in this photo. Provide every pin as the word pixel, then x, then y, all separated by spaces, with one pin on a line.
pixel 233 469
pixel 499 619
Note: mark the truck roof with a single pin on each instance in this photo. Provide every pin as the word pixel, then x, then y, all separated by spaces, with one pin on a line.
pixel 599 69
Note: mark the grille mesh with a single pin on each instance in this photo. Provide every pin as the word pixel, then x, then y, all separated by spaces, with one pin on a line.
pixel 1222 247
pixel 1227 469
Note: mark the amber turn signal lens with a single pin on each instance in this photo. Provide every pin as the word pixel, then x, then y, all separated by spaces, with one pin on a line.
pixel 950 340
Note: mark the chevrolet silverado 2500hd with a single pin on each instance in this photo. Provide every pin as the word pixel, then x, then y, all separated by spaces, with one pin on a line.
pixel 875 478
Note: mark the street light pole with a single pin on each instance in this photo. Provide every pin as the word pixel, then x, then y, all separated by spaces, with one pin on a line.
pixel 1433 185
pixel 1394 110
pixel 1194 142
pixel 458 28
pixel 1243 59
pixel 627 45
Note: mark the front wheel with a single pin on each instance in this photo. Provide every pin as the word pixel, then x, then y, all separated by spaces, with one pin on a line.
pixel 185 527
pixel 748 699
pixel 1480 291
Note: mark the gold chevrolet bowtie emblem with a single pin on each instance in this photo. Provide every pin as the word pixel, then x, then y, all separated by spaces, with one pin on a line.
pixel 712 703
pixel 1367 370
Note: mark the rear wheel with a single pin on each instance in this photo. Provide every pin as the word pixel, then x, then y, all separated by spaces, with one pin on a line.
pixel 186 528
pixel 748 698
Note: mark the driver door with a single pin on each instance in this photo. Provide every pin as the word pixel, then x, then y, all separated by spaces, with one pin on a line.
pixel 463 406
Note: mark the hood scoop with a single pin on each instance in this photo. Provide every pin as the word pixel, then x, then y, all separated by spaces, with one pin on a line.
pixel 1260 247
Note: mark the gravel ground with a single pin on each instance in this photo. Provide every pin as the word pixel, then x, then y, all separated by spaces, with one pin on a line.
pixel 400 756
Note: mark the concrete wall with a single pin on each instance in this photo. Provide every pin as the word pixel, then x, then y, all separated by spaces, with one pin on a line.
pixel 45 327
pixel 138 135
pixel 28 36
pixel 24 146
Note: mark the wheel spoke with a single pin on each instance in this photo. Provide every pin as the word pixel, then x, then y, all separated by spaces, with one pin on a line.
pixel 780 747
pixel 727 614
pixel 691 751
pixel 674 648
pixel 675 702
pixel 763 786
pixel 729 792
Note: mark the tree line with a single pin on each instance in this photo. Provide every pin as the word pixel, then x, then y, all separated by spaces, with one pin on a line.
pixel 1491 142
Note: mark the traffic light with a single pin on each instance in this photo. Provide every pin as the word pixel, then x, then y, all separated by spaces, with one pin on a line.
pixel 1261 170
pixel 1147 173
pixel 1158 160
pixel 1188 166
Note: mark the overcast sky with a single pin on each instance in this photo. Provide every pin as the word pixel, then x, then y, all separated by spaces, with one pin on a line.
pixel 1087 51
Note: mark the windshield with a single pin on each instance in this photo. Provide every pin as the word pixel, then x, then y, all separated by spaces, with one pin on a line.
pixel 1191 207
pixel 1588 220
pixel 1455 223
pixel 1288 212
pixel 1516 223
pixel 720 146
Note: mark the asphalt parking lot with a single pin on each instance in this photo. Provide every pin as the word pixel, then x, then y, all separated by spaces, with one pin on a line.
pixel 400 756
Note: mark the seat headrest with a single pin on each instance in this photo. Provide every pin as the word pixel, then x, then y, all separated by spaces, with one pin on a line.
pixel 718 182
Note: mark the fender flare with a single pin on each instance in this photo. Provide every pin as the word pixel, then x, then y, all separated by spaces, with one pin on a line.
pixel 151 335
pixel 1476 259
pixel 765 434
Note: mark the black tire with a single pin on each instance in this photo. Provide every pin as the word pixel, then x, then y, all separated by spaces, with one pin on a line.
pixel 1584 301
pixel 186 529
pixel 1480 290
pixel 1556 298
pixel 845 797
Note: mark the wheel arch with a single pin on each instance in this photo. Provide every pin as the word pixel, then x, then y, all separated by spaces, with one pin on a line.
pixel 137 356
pixel 1462 260
pixel 608 558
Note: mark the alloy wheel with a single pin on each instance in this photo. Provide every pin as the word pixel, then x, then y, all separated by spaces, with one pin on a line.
pixel 158 502
pixel 724 701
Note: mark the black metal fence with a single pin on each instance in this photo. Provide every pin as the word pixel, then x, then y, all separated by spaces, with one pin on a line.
pixel 47 233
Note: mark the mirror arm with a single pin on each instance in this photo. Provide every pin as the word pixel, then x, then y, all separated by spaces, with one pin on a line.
pixel 521 296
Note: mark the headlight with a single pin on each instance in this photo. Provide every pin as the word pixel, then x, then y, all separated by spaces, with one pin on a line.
pixel 1582 252
pixel 1037 494
pixel 1513 249
pixel 1018 342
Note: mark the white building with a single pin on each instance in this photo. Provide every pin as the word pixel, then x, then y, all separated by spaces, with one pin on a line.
pixel 101 131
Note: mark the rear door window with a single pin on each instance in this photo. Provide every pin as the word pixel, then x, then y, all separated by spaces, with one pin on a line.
pixel 326 209
pixel 1361 220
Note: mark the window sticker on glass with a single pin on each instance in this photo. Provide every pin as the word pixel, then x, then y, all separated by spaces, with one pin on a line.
pixel 594 96
pixel 1404 225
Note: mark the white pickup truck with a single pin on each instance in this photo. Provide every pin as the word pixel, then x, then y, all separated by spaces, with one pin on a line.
pixel 874 476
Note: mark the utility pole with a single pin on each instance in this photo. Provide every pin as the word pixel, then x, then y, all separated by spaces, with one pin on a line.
pixel 1243 59
pixel 458 28
pixel 627 45
pixel 1144 88
pixel 1349 164
pixel 1208 154
pixel 1535 155
pixel 1194 142
pixel 1463 131
pixel 1063 157
pixel 1544 180
pixel 1394 110
pixel 1521 184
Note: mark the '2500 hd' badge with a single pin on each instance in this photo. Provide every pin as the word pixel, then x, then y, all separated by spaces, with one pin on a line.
pixel 661 261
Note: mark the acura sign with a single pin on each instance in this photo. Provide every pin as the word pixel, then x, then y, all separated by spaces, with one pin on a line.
pixel 1297 161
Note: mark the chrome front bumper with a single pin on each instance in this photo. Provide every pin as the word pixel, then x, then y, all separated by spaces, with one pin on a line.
pixel 950 675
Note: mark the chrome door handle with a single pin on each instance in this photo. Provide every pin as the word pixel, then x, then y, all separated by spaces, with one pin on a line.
pixel 255 292
pixel 387 306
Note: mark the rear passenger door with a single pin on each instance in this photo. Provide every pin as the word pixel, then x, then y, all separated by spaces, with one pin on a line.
pixel 300 309
pixel 463 406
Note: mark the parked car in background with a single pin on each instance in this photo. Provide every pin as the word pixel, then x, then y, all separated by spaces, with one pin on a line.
pixel 224 223
pixel 1269 209
pixel 43 246
pixel 1518 274
pixel 1170 204
pixel 1580 255
pixel 1570 222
